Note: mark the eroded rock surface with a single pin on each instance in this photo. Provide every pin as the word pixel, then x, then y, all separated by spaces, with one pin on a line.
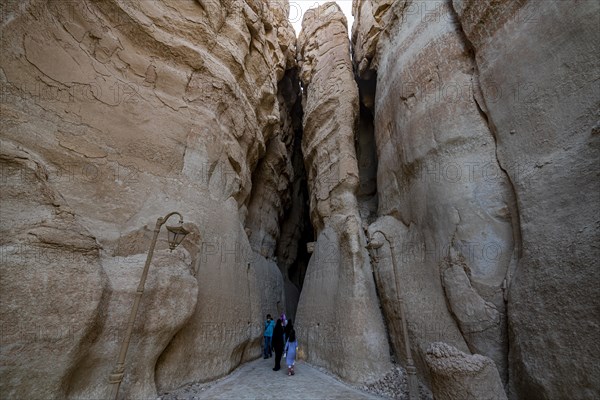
pixel 398 266
pixel 372 18
pixel 433 143
pixel 456 375
pixel 136 109
pixel 169 300
pixel 52 284
pixel 537 64
pixel 338 318
pixel 470 164
pixel 485 118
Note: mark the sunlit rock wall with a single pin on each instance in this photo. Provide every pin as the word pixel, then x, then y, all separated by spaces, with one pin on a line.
pixel 338 319
pixel 449 227
pixel 486 121
pixel 113 114
pixel 537 65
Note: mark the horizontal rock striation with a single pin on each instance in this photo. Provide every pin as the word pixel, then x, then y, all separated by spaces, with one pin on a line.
pixel 485 117
pixel 537 69
pixel 132 110
pixel 450 225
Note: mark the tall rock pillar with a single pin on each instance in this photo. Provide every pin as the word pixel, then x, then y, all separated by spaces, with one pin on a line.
pixel 339 322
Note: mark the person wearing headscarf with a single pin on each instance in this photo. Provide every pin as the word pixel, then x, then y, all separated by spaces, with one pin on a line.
pixel 278 344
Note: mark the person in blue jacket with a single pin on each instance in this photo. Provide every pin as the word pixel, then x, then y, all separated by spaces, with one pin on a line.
pixel 269 325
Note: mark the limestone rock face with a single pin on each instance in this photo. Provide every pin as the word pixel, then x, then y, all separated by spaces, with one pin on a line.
pixel 537 64
pixel 274 177
pixel 460 144
pixel 330 107
pixel 456 375
pixel 439 177
pixel 371 19
pixel 169 300
pixel 399 266
pixel 485 118
pixel 338 319
pixel 133 110
pixel 52 283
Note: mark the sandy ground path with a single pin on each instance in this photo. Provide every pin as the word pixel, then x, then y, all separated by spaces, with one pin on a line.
pixel 257 380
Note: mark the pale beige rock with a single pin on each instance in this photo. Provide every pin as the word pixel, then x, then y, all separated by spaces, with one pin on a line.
pixel 485 120
pixel 52 284
pixel 477 318
pixel 270 192
pixel 141 108
pixel 371 19
pixel 338 319
pixel 537 64
pixel 438 175
pixel 330 105
pixel 484 115
pixel 169 300
pixel 456 375
pixel 401 259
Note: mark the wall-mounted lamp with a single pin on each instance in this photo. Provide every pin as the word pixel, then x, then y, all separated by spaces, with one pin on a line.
pixel 175 237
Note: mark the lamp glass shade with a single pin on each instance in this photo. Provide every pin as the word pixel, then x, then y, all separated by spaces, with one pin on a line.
pixel 176 235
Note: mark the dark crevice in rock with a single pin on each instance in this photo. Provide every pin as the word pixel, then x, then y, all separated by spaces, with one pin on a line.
pixel 277 222
pixel 295 228
pixel 367 195
pixel 366 154
pixel 274 173
pixel 366 150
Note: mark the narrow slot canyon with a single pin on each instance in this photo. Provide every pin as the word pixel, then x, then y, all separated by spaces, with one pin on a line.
pixel 414 185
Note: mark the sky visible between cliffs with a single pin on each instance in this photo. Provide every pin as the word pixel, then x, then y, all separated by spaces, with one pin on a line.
pixel 299 7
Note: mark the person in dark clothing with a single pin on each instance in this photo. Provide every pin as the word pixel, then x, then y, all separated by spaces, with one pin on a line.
pixel 289 327
pixel 278 343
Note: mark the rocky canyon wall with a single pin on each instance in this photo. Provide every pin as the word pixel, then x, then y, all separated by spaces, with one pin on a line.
pixel 457 140
pixel 537 65
pixel 451 234
pixel 485 118
pixel 113 114
pixel 339 322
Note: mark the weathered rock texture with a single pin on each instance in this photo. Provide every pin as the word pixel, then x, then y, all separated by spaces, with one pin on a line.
pixel 453 234
pixel 119 112
pixel 168 302
pixel 338 319
pixel 486 122
pixel 52 282
pixel 537 65
pixel 468 159
pixel 456 375
pixel 428 320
